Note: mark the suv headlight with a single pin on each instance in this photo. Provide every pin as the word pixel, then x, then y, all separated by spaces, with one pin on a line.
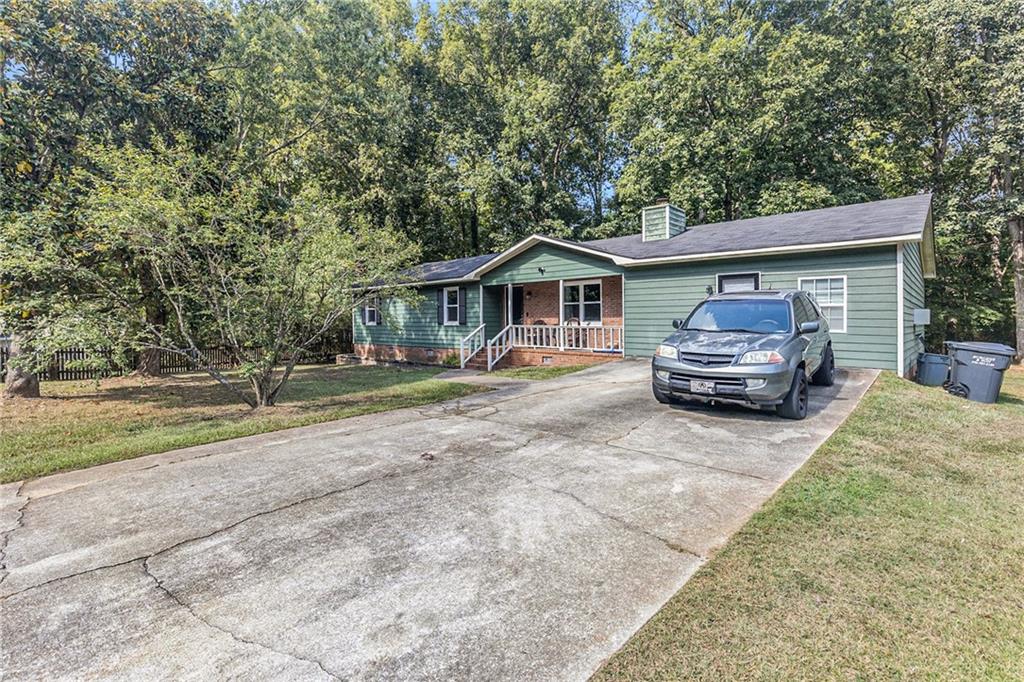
pixel 762 357
pixel 667 351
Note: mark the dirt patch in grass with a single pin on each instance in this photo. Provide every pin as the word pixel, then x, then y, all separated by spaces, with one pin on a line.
pixel 539 372
pixel 83 423
pixel 897 551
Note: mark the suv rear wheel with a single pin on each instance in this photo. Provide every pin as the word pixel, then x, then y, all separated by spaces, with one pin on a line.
pixel 794 405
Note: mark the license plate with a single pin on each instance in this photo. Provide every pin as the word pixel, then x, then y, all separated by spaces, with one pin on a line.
pixel 702 386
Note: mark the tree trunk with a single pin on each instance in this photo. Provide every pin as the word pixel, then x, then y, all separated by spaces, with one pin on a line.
pixel 156 317
pixel 1016 227
pixel 19 383
pixel 149 362
pixel 474 228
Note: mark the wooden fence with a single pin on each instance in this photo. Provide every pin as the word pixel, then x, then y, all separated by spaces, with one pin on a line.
pixel 62 364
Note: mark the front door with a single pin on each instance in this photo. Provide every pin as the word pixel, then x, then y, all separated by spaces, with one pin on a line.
pixel 516 297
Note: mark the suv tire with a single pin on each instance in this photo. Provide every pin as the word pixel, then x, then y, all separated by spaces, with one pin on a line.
pixel 794 405
pixel 826 374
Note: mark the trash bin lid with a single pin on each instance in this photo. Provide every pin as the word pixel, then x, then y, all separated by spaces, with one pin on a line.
pixel 982 347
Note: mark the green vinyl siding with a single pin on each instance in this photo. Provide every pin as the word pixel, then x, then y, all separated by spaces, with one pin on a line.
pixel 556 262
pixel 654 223
pixel 654 295
pixel 676 221
pixel 913 297
pixel 415 324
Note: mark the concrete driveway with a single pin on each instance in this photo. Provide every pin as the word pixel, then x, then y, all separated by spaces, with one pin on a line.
pixel 520 534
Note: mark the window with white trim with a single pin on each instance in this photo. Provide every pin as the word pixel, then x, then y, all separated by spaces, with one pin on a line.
pixel 371 311
pixel 830 295
pixel 739 281
pixel 451 305
pixel 581 302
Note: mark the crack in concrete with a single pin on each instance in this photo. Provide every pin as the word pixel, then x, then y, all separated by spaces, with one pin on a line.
pixel 19 523
pixel 235 636
pixel 222 529
pixel 617 446
pixel 675 547
pixel 628 433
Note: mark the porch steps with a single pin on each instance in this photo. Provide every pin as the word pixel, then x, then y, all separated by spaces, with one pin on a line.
pixel 479 362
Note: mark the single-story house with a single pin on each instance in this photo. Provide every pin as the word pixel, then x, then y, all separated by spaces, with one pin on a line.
pixel 555 301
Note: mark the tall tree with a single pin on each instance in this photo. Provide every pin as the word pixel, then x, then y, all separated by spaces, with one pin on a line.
pixel 75 72
pixel 523 90
pixel 737 109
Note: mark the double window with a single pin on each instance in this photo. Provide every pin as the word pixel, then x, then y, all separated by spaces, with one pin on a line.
pixel 830 295
pixel 581 302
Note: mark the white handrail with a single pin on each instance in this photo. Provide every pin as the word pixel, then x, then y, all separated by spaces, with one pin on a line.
pixel 471 345
pixel 499 346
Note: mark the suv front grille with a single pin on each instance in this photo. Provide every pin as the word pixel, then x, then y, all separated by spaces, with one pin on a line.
pixel 706 359
pixel 723 381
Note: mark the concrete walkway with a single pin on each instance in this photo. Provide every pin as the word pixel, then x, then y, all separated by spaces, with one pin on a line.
pixel 521 534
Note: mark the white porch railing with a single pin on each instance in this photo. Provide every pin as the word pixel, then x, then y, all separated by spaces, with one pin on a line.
pixel 567 337
pixel 499 346
pixel 471 345
pixel 600 339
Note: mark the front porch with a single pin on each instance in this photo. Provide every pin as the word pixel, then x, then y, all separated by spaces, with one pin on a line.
pixel 555 322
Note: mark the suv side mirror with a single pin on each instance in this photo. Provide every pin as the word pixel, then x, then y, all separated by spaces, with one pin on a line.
pixel 677 323
pixel 810 327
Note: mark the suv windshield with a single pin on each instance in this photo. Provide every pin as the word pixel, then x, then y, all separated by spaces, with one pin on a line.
pixel 762 317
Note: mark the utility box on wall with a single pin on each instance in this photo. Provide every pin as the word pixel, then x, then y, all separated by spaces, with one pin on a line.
pixel 922 317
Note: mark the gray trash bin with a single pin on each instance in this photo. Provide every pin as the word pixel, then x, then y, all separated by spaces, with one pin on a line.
pixel 977 369
pixel 932 369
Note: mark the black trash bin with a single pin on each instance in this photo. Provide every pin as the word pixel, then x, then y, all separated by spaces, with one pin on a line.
pixel 977 369
pixel 932 369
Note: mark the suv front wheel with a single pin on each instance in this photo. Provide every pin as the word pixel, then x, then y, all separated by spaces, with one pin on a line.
pixel 794 405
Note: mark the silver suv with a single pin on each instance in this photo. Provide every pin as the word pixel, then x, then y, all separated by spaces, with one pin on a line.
pixel 756 348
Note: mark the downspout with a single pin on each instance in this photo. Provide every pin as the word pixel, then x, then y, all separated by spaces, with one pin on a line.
pixel 901 342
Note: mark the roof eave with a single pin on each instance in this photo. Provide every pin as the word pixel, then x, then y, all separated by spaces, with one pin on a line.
pixel 795 248
pixel 529 242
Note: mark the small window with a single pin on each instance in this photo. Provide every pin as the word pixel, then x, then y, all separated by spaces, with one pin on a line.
pixel 581 303
pixel 742 281
pixel 829 294
pixel 451 305
pixel 371 312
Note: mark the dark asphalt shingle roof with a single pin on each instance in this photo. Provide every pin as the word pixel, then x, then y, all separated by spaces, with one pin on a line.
pixel 888 218
pixel 447 269
pixel 872 220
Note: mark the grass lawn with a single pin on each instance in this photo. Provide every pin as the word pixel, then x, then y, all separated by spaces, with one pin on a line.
pixel 897 551
pixel 80 424
pixel 539 371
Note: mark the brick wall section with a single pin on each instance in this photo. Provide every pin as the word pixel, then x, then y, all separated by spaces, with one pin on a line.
pixel 529 357
pixel 540 302
pixel 517 357
pixel 429 356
